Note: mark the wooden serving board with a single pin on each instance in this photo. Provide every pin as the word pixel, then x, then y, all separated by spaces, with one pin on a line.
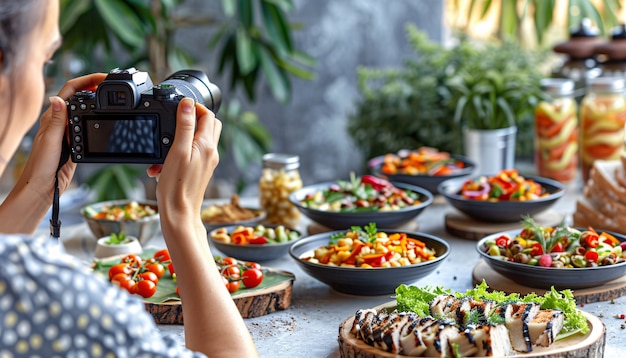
pixel 250 304
pixel 272 295
pixel 496 281
pixel 465 227
pixel 588 345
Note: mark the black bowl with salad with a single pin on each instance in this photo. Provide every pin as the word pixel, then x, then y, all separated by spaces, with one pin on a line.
pixel 562 256
pixel 360 201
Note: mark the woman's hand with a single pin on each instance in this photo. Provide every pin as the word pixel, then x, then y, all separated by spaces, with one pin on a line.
pixel 32 194
pixel 181 183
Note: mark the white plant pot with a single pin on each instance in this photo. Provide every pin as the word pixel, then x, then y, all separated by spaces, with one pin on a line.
pixel 492 150
pixel 104 250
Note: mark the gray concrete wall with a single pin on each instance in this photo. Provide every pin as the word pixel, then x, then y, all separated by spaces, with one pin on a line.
pixel 341 35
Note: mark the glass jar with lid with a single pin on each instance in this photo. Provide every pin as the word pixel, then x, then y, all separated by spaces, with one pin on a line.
pixel 602 120
pixel 279 178
pixel 556 131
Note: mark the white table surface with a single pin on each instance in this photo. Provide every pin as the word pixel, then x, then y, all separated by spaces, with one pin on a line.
pixel 309 327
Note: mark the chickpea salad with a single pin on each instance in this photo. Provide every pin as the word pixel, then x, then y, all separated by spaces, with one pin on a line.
pixel 558 247
pixel 369 248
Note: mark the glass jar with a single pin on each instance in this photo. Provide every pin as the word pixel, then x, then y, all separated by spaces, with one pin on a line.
pixel 556 131
pixel 279 178
pixel 602 119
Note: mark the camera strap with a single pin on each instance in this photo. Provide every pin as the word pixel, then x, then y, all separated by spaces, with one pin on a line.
pixel 55 223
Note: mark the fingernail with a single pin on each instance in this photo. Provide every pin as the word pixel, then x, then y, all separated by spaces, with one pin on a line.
pixel 187 105
pixel 56 106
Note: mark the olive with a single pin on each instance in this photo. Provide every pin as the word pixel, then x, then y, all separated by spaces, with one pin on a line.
pixel 521 258
pixel 516 248
pixel 557 264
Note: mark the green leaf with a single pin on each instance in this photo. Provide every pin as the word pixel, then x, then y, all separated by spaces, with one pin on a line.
pixel 277 28
pixel 544 11
pixel 246 13
pixel 229 7
pixel 246 57
pixel 277 80
pixel 122 21
pixel 71 10
pixel 508 18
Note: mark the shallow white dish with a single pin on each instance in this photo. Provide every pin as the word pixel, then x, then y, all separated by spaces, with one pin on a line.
pixel 104 250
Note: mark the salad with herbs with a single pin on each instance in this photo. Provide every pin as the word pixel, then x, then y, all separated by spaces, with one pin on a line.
pixel 507 185
pixel 361 194
pixel 560 247
pixel 369 248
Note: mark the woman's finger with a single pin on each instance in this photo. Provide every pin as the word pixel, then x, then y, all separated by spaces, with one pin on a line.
pixel 88 82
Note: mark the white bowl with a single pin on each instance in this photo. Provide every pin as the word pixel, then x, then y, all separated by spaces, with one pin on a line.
pixel 104 250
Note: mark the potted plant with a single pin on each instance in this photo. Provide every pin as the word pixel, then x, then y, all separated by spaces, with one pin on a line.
pixel 490 96
pixel 442 90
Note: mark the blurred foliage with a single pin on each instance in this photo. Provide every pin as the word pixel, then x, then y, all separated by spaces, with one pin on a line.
pixel 511 15
pixel 415 105
pixel 253 38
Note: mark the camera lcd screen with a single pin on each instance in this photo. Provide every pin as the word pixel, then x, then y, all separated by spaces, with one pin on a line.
pixel 130 136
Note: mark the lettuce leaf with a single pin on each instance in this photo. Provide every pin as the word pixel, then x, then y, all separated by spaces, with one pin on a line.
pixel 417 299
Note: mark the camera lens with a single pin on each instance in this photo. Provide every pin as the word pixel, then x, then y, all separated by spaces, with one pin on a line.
pixel 196 84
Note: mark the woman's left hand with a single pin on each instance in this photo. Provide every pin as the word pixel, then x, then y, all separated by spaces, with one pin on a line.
pixel 33 192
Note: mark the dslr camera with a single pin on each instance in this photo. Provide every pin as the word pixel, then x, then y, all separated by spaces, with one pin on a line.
pixel 128 119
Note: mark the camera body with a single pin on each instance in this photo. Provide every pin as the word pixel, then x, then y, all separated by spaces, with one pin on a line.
pixel 128 119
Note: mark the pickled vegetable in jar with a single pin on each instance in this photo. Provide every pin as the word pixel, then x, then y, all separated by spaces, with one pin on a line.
pixel 602 120
pixel 556 131
pixel 279 178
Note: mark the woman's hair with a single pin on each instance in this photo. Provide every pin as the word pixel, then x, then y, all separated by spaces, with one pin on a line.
pixel 17 19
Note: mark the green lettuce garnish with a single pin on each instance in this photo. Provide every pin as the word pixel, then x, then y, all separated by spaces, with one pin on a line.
pixel 417 299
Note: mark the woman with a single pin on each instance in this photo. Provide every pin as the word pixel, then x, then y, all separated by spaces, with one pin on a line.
pixel 38 316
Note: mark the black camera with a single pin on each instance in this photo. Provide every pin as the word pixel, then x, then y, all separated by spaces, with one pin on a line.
pixel 130 120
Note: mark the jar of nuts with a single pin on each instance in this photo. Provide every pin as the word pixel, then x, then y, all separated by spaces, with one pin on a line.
pixel 279 178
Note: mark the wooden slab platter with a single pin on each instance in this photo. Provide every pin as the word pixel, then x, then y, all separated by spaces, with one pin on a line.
pixel 272 295
pixel 465 227
pixel 588 345
pixel 496 281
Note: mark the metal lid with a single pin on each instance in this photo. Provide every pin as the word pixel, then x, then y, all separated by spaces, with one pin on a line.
pixel 557 86
pixel 607 84
pixel 280 161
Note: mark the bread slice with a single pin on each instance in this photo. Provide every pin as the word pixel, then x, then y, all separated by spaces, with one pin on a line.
pixel 603 174
pixel 606 204
pixel 586 215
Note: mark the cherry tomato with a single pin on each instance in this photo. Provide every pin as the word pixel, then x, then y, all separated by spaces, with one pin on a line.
pixel 177 291
pixel 503 241
pixel 125 281
pixel 252 277
pixel 228 261
pixel 132 259
pixel 558 247
pixel 170 267
pixel 162 255
pixel 146 288
pixel 231 271
pixel 232 286
pixel 156 268
pixel 119 268
pixel 250 264
pixel 150 276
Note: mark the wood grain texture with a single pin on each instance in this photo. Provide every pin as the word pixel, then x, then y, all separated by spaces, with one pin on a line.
pixel 588 345
pixel 258 303
pixel 464 227
pixel 496 281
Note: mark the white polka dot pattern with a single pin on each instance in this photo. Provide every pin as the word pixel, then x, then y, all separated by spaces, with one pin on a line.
pixel 51 306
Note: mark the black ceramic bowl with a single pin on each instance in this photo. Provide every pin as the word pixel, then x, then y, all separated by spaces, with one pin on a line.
pixel 428 182
pixel 500 211
pixel 367 281
pixel 341 220
pixel 546 277
pixel 256 253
